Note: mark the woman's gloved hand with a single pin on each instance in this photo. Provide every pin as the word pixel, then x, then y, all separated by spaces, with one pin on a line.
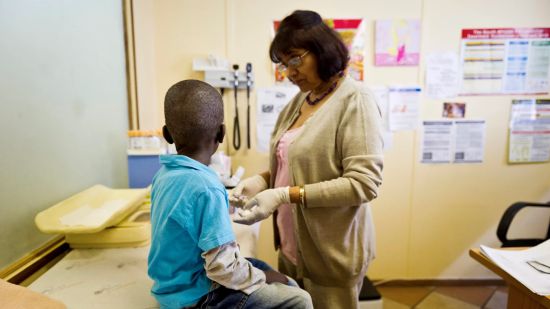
pixel 246 189
pixel 262 205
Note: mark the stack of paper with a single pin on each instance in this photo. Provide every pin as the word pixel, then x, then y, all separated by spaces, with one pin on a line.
pixel 541 264
pixel 531 267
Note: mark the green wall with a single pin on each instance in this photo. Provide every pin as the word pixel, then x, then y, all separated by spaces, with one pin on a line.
pixel 63 109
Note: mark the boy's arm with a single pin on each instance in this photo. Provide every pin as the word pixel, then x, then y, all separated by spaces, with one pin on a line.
pixel 226 266
pixel 272 276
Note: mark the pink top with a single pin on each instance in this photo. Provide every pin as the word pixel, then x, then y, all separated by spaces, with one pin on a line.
pixel 282 179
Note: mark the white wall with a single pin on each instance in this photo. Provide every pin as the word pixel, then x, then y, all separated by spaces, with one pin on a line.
pixel 145 68
pixel 427 217
pixel 63 109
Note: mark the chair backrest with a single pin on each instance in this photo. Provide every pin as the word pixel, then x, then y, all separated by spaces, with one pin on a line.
pixel 506 221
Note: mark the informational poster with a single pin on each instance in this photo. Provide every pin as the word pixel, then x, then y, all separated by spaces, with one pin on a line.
pixel 382 97
pixel 459 141
pixel 404 107
pixel 442 76
pixel 529 139
pixel 353 34
pixel 505 61
pixel 469 141
pixel 397 42
pixel 436 141
pixel 270 102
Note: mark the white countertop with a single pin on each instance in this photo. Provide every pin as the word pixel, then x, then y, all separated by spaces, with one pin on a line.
pixel 114 278
pixel 100 278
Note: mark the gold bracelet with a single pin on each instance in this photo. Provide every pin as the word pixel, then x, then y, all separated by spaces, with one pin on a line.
pixel 302 196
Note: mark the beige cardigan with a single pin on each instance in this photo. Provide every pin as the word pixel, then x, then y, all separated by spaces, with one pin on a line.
pixel 338 157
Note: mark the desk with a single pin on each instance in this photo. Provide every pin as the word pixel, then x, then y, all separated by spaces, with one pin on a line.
pixel 519 296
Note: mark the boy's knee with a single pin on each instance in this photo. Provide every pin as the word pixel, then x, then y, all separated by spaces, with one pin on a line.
pixel 301 299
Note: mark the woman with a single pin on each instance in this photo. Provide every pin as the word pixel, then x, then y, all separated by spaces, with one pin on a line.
pixel 326 164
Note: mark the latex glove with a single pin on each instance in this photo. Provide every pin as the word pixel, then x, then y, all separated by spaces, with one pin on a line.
pixel 246 189
pixel 262 205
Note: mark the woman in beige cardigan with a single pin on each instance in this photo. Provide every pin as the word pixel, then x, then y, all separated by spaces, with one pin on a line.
pixel 325 166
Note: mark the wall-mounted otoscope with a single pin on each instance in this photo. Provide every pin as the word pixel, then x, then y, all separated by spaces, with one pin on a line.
pixel 236 126
pixel 248 87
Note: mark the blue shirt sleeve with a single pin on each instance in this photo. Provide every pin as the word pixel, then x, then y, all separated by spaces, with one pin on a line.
pixel 211 223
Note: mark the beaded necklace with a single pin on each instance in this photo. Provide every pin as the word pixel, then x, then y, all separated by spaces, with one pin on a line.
pixel 329 90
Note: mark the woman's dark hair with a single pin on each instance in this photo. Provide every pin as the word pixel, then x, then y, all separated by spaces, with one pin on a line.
pixel 306 29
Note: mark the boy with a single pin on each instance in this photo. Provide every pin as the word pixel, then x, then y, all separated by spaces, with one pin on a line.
pixel 194 260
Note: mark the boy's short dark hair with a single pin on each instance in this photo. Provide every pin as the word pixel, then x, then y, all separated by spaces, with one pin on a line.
pixel 193 112
pixel 306 29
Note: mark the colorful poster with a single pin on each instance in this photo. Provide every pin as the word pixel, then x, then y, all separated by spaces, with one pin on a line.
pixel 505 61
pixel 454 110
pixel 529 139
pixel 352 32
pixel 397 42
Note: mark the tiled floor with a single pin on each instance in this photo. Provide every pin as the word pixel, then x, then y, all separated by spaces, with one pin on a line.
pixel 443 297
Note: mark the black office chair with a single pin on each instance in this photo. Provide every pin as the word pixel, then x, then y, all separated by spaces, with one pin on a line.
pixel 506 221
pixel 368 291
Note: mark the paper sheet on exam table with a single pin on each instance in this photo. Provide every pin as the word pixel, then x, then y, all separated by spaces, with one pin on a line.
pixel 90 211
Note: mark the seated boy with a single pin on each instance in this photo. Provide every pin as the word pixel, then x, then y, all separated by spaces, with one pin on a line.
pixel 194 260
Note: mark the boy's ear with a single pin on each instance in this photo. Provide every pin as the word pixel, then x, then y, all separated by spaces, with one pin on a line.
pixel 221 133
pixel 167 135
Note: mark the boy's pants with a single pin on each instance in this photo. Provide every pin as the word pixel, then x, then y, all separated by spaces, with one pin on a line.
pixel 275 295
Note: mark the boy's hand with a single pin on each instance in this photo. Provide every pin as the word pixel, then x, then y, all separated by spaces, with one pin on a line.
pixel 246 189
pixel 272 276
pixel 262 205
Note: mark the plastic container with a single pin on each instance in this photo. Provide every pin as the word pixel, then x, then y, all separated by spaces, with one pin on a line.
pixel 146 140
pixel 141 169
pixel 135 140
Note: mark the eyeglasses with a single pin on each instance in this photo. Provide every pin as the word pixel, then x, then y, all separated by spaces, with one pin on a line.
pixel 293 62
